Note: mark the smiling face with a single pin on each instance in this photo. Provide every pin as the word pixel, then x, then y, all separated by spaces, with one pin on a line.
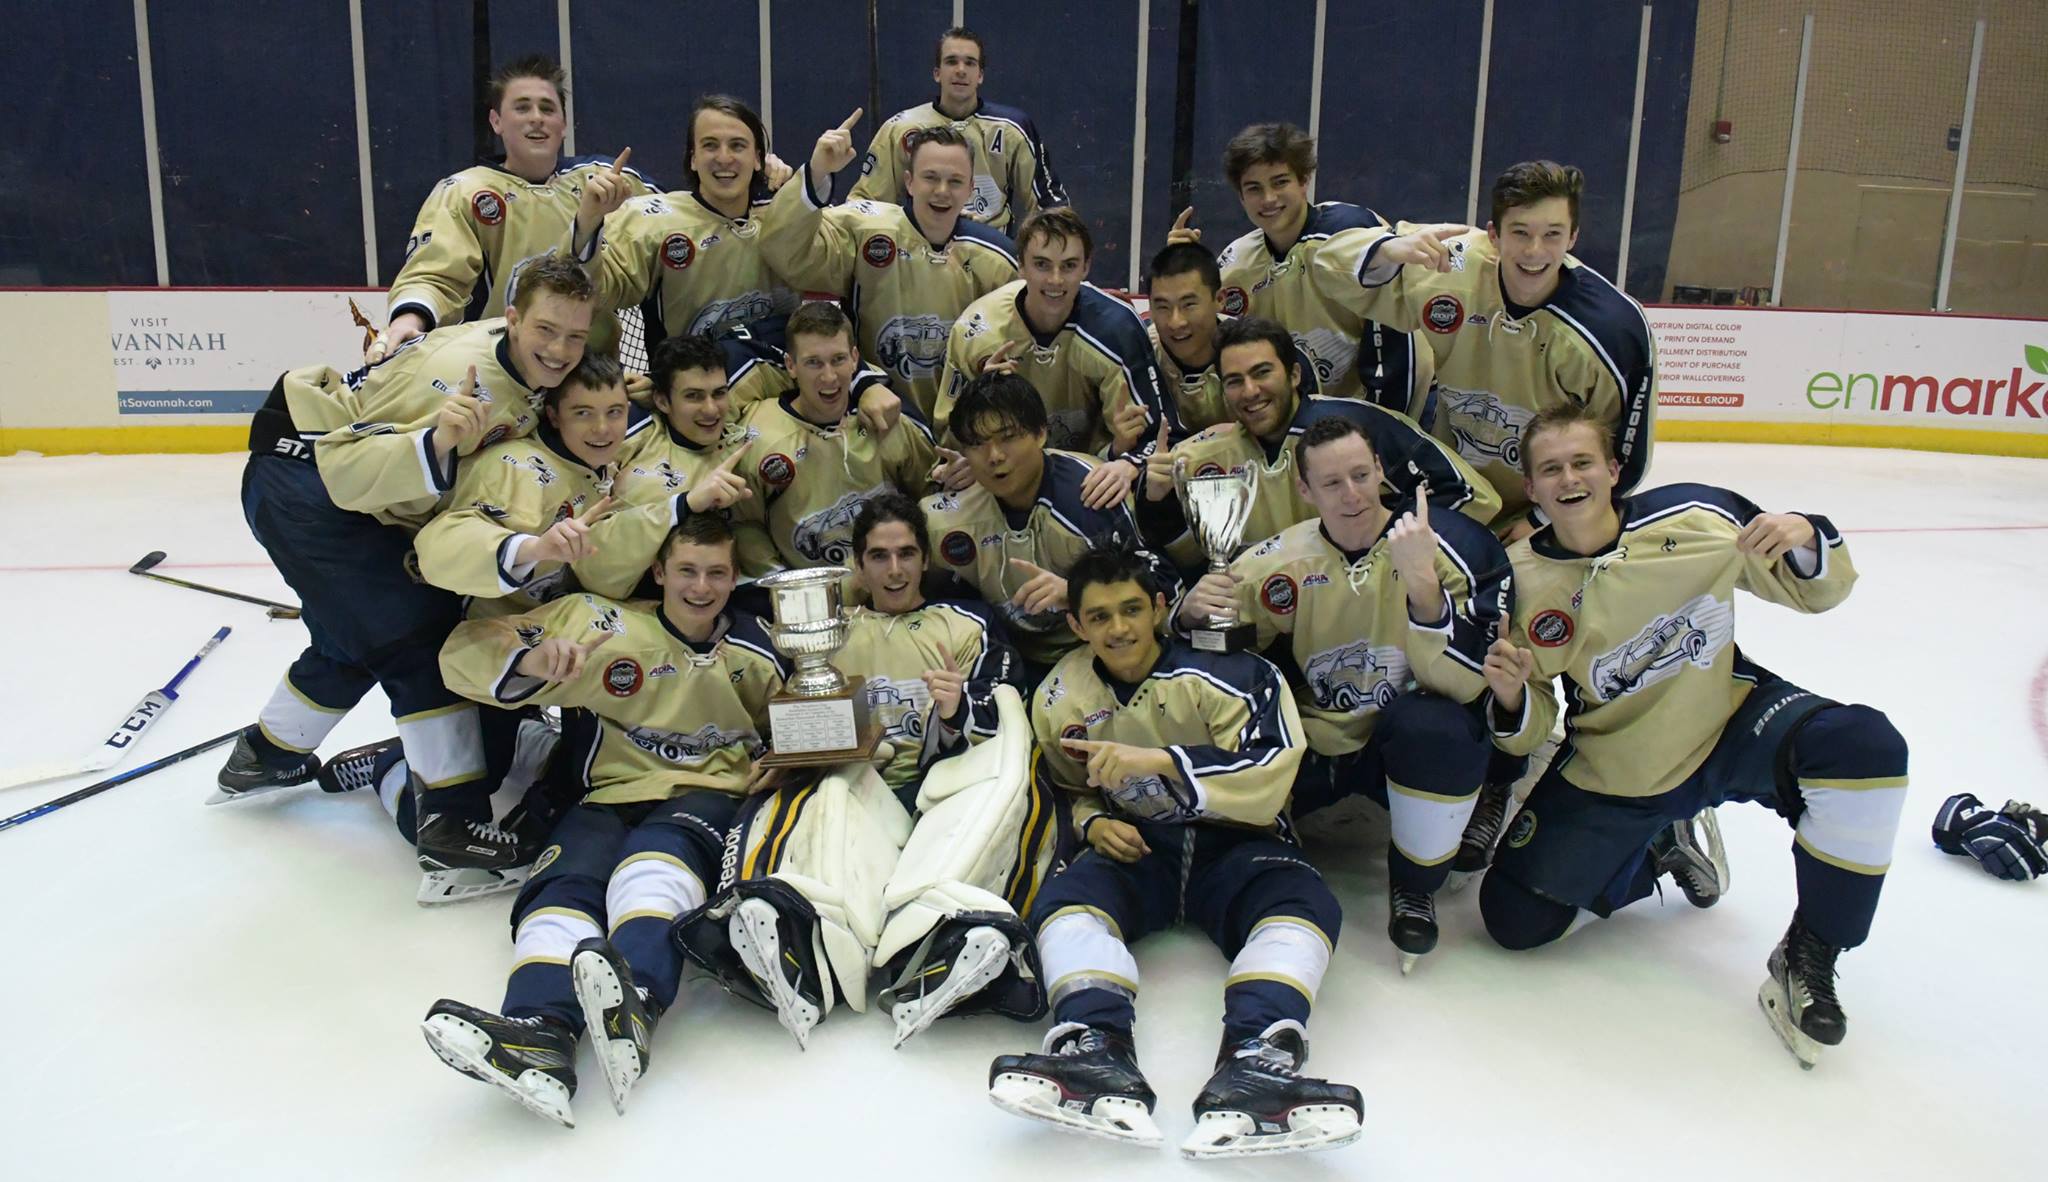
pixel 940 181
pixel 530 120
pixel 1533 240
pixel 958 75
pixel 1184 310
pixel 591 421
pixel 1571 474
pixel 1258 387
pixel 1275 199
pixel 1052 270
pixel 696 580
pixel 823 366
pixel 1341 478
pixel 725 157
pixel 1120 622
pixel 695 405
pixel 892 567
pixel 546 338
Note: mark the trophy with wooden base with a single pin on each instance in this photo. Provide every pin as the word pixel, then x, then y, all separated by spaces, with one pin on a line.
pixel 1217 506
pixel 821 716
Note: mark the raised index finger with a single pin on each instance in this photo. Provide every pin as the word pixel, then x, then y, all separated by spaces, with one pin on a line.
pixel 593 512
pixel 1444 233
pixel 852 119
pixel 1181 222
pixel 620 162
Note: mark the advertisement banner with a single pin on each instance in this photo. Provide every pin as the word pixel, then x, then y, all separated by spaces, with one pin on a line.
pixel 219 352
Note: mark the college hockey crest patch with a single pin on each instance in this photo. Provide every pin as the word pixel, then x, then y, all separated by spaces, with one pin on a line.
pixel 957 548
pixel 1233 301
pixel 488 207
pixel 777 470
pixel 678 252
pixel 622 678
pixel 879 250
pixel 1443 314
pixel 1278 594
pixel 1550 629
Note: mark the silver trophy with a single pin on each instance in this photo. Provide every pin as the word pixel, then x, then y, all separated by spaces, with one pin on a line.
pixel 1217 507
pixel 1010 579
pixel 821 715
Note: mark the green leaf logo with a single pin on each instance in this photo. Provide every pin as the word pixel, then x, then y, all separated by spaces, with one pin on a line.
pixel 2037 358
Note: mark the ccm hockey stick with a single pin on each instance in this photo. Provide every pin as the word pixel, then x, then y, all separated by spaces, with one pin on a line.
pixel 125 736
pixel 278 611
pixel 23 818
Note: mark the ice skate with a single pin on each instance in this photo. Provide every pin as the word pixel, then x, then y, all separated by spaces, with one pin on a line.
pixel 245 776
pixel 1690 852
pixel 1258 1102
pixel 1475 848
pixel 1798 998
pixel 1411 925
pixel 361 767
pixel 462 859
pixel 618 1014
pixel 962 964
pixel 1085 1081
pixel 780 965
pixel 531 1059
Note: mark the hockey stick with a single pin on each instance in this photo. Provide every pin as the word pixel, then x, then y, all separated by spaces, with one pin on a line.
pixel 23 818
pixel 278 611
pixel 109 753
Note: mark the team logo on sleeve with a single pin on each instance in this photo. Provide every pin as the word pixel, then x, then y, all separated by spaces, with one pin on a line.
pixel 879 250
pixel 1550 629
pixel 622 678
pixel 1278 594
pixel 1523 829
pixel 777 470
pixel 678 252
pixel 488 207
pixel 1233 301
pixel 495 435
pixel 957 548
pixel 1443 314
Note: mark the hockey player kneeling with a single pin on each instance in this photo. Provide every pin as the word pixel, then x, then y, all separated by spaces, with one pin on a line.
pixel 1182 762
pixel 1632 601
pixel 917 866
pixel 680 693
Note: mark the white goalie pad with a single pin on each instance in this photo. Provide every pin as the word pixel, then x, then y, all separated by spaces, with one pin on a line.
pixel 975 808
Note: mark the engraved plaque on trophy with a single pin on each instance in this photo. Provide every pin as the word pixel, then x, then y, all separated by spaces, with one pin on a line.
pixel 1217 507
pixel 821 715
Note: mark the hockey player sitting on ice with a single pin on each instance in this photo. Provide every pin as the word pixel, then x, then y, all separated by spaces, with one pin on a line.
pixel 1013 532
pixel 1259 375
pixel 1012 176
pixel 1180 763
pixel 1183 318
pixel 691 260
pixel 1517 326
pixel 1082 349
pixel 1268 271
pixel 680 694
pixel 810 460
pixel 342 472
pixel 1381 619
pixel 834 880
pixel 1631 600
pixel 478 225
pixel 907 271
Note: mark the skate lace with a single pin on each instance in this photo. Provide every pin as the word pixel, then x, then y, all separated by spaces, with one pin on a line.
pixel 1488 815
pixel 1268 1056
pixel 1813 966
pixel 1087 1042
pixel 1411 904
pixel 486 831
pixel 356 773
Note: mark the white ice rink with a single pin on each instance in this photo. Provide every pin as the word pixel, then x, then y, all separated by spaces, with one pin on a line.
pixel 236 993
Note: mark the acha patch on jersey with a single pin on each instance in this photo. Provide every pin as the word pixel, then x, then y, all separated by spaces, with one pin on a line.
pixel 1443 314
pixel 1233 301
pixel 622 678
pixel 957 548
pixel 678 252
pixel 777 470
pixel 1550 629
pixel 879 250
pixel 488 207
pixel 1318 579
pixel 1278 594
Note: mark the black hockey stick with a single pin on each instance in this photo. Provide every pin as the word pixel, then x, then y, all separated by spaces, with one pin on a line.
pixel 24 817
pixel 278 611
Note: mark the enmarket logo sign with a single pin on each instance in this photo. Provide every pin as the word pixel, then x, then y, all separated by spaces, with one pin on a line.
pixel 2012 396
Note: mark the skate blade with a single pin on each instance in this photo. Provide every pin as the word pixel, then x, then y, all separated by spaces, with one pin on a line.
pixel 1408 962
pixel 1235 1134
pixel 1112 1118
pixel 982 958
pixel 268 792
pixel 441 887
pixel 1458 880
pixel 597 990
pixel 1777 1011
pixel 753 934
pixel 460 1045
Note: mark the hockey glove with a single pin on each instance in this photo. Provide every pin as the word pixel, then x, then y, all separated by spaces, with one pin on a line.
pixel 2012 844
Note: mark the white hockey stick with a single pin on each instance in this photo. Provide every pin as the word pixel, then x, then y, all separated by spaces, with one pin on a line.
pixel 125 736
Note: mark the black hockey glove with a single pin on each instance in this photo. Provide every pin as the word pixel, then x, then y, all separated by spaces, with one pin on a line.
pixel 2011 844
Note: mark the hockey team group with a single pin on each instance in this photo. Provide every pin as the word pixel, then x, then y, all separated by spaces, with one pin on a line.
pixel 549 562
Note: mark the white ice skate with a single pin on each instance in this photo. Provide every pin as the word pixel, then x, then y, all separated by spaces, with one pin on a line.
pixel 983 953
pixel 753 930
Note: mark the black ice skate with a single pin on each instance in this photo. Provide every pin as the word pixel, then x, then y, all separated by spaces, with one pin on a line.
pixel 962 961
pixel 1798 998
pixel 1489 815
pixel 1086 1080
pixel 784 966
pixel 245 776
pixel 1411 925
pixel 619 1015
pixel 1259 1102
pixel 463 859
pixel 531 1059
pixel 361 767
pixel 1690 852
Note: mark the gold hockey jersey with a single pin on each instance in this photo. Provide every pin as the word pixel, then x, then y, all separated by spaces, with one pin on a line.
pixel 689 268
pixel 811 481
pixel 1226 718
pixel 1354 357
pixel 671 715
pixel 893 651
pixel 1012 176
pixel 1085 370
pixel 902 292
pixel 1339 623
pixel 1197 394
pixel 1498 366
pixel 647 497
pixel 1643 634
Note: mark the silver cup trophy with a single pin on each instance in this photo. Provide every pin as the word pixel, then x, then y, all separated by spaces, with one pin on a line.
pixel 1218 507
pixel 821 715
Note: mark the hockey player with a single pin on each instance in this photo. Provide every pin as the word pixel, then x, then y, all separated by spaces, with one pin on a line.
pixel 1259 372
pixel 835 878
pixel 811 462
pixel 1183 318
pixel 1631 600
pixel 478 225
pixel 1013 176
pixel 680 693
pixel 905 271
pixel 1381 619
pixel 1268 272
pixel 1082 349
pixel 1012 534
pixel 1180 763
pixel 341 473
pixel 1517 325
pixel 691 259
